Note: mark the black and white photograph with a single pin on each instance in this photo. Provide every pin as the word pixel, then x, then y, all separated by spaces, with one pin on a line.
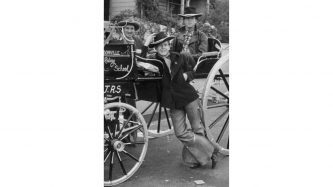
pixel 166 92
pixel 141 93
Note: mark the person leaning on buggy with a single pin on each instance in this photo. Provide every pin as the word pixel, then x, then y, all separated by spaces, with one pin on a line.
pixel 182 99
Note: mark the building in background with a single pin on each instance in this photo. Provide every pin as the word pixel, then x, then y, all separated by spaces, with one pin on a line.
pixel 114 7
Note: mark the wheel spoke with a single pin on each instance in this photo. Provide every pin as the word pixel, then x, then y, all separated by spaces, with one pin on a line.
pixel 107 155
pixel 130 155
pixel 217 91
pixel 223 130
pixel 129 128
pixel 152 115
pixel 167 117
pixel 147 108
pixel 109 131
pixel 217 106
pixel 122 128
pixel 217 119
pixel 121 163
pixel 224 79
pixel 135 128
pixel 141 131
pixel 159 119
pixel 111 165
pixel 117 122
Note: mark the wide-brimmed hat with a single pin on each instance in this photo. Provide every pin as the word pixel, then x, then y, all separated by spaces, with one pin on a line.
pixel 190 12
pixel 160 38
pixel 130 22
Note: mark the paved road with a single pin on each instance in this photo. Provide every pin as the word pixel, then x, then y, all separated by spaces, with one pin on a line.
pixel 163 167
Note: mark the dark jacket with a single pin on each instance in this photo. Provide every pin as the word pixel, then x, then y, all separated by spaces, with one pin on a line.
pixel 197 45
pixel 176 92
pixel 138 44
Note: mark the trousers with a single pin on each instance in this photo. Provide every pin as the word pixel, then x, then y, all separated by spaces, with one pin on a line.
pixel 197 148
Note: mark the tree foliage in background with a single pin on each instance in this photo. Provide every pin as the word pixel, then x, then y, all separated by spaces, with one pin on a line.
pixel 152 15
pixel 123 15
pixel 146 26
pixel 152 12
pixel 219 17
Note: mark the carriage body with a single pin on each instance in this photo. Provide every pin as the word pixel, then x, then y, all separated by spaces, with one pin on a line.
pixel 125 129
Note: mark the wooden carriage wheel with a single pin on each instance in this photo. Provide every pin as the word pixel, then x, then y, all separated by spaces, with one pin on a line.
pixel 125 142
pixel 215 102
pixel 158 124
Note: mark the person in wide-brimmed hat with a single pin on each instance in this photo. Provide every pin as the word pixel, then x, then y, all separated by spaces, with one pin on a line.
pixel 190 12
pixel 182 99
pixel 130 27
pixel 135 24
pixel 190 39
pixel 160 38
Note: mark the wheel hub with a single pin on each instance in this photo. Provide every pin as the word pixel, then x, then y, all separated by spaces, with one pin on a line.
pixel 118 145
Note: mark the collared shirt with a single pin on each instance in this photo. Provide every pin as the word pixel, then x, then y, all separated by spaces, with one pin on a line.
pixel 197 44
pixel 168 62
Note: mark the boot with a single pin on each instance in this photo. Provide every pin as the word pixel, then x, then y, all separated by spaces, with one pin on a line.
pixel 197 152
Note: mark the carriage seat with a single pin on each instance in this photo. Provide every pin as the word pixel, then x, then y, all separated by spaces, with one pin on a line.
pixel 214 49
pixel 207 60
pixel 214 45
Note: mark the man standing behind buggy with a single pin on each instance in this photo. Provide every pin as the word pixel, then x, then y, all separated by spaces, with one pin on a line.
pixel 189 38
pixel 182 99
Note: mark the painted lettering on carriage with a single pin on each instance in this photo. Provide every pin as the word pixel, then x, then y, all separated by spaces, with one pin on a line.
pixel 116 52
pixel 112 89
pixel 114 66
pixel 109 115
pixel 109 60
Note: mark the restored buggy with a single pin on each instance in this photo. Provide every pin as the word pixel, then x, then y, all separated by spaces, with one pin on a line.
pixel 126 79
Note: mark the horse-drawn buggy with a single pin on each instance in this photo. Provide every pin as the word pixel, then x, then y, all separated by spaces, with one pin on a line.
pixel 129 79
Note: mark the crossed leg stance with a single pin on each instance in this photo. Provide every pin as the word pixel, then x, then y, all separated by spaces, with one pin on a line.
pixel 198 149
